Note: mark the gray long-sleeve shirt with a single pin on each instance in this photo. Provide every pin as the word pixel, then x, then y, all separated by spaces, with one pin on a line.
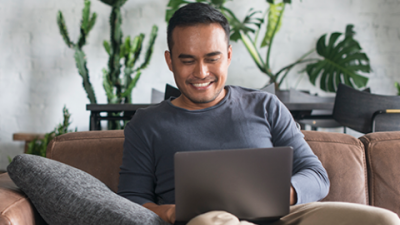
pixel 245 118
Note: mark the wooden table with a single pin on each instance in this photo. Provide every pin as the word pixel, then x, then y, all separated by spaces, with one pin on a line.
pixel 27 138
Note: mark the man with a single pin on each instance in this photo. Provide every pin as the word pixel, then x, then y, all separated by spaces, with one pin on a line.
pixel 209 115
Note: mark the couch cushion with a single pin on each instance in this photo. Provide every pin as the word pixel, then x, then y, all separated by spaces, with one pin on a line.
pixel 344 159
pixel 98 153
pixel 65 195
pixel 383 156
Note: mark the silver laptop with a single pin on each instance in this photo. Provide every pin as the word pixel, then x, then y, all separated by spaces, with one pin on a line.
pixel 252 184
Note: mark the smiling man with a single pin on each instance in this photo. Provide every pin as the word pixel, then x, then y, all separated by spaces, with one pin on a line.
pixel 209 115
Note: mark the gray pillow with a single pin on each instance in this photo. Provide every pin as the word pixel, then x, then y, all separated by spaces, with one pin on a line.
pixel 66 195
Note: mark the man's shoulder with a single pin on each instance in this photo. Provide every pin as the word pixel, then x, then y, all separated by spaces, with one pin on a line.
pixel 250 94
pixel 150 113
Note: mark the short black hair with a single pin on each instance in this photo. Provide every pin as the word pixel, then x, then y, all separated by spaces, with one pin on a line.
pixel 193 14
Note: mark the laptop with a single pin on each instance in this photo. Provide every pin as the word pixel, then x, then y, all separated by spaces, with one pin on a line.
pixel 252 184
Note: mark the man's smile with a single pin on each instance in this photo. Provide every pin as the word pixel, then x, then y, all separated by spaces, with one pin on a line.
pixel 201 84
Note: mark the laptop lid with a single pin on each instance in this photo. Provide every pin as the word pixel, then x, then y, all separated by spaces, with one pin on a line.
pixel 252 184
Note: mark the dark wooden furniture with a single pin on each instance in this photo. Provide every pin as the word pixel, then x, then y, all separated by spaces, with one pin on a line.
pixel 27 138
pixel 356 109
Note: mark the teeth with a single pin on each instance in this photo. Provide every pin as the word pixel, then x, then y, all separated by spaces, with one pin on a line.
pixel 201 84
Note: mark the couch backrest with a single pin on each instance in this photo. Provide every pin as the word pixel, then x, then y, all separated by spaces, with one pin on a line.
pixel 343 157
pixel 98 153
pixel 383 158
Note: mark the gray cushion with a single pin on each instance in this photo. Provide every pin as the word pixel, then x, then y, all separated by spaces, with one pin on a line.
pixel 66 195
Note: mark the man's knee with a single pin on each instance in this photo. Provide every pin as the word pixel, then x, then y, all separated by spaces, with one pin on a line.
pixel 350 213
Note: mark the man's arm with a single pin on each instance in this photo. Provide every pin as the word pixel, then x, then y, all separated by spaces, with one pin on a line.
pixel 166 212
pixel 309 179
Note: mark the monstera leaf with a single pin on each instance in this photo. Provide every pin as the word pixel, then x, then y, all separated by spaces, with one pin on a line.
pixel 342 61
pixel 247 25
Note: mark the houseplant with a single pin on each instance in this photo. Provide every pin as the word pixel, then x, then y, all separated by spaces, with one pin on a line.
pixel 39 146
pixel 121 75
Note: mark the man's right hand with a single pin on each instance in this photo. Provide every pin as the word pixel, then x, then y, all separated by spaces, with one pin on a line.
pixel 166 212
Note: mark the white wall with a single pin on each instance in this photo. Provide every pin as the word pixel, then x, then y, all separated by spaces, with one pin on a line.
pixel 38 74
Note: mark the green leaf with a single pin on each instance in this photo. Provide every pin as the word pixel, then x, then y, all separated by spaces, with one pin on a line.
pixel 251 48
pixel 92 21
pixel 150 47
pixel 274 22
pixel 108 87
pixel 342 61
pixel 107 47
pixel 132 84
pixel 136 49
pixel 398 87
pixel 80 60
pixel 85 17
pixel 172 6
pixel 63 29
pixel 249 23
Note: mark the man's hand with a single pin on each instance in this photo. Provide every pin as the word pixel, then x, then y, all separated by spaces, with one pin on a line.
pixel 293 196
pixel 166 212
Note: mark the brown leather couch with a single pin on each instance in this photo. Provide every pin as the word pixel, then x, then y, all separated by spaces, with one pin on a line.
pixel 364 170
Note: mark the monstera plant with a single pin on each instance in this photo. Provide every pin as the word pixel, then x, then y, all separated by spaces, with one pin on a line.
pixel 341 62
pixel 121 75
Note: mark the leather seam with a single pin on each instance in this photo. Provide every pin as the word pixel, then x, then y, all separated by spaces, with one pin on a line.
pixel 382 139
pixel 10 206
pixel 320 140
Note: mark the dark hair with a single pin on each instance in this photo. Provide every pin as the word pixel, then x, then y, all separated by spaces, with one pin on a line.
pixel 193 14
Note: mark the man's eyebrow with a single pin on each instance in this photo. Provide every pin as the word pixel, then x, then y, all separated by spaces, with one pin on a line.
pixel 213 54
pixel 185 56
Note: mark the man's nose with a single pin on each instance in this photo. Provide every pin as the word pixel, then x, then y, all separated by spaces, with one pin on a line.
pixel 201 70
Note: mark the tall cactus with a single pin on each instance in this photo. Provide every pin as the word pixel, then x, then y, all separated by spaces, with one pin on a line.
pixel 87 23
pixel 123 55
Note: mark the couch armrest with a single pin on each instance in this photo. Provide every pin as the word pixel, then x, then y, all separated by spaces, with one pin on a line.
pixel 343 157
pixel 15 208
pixel 98 153
pixel 383 154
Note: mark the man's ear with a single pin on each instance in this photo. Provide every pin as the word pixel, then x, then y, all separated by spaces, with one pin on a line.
pixel 229 54
pixel 168 59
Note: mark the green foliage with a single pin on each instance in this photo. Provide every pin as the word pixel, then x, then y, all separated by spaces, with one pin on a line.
pixel 398 87
pixel 87 22
pixel 249 23
pixel 39 146
pixel 9 159
pixel 121 75
pixel 274 22
pixel 342 61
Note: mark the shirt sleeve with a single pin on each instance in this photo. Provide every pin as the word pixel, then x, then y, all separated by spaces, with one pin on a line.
pixel 309 177
pixel 136 180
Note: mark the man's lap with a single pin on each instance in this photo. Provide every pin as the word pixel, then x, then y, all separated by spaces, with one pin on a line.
pixel 326 213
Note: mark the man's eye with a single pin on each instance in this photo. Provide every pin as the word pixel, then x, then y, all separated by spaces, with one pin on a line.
pixel 188 62
pixel 213 59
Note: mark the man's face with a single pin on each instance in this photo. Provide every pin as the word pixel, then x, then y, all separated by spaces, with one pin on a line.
pixel 199 59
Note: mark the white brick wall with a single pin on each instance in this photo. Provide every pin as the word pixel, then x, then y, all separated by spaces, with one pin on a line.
pixel 38 74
